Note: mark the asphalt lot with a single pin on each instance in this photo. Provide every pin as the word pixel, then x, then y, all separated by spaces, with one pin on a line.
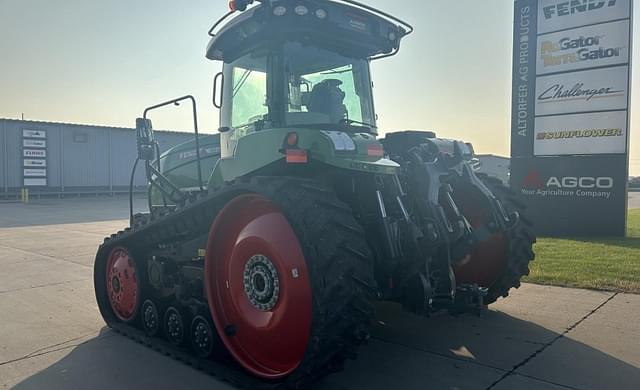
pixel 52 336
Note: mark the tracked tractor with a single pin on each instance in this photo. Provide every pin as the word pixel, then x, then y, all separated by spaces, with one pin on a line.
pixel 267 245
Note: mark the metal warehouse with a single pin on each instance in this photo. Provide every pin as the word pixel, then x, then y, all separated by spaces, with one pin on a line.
pixel 62 158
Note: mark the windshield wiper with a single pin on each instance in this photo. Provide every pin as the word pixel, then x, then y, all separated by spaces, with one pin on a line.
pixel 351 122
pixel 243 79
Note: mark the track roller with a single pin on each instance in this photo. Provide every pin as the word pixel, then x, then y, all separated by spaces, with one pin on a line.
pixel 150 318
pixel 174 328
pixel 202 336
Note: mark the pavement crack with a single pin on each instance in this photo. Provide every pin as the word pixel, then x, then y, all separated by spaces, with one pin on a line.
pixel 547 381
pixel 44 285
pixel 47 257
pixel 550 343
pixel 56 347
pixel 443 355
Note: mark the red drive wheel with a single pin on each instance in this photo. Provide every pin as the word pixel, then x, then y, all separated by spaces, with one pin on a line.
pixel 123 289
pixel 489 258
pixel 258 287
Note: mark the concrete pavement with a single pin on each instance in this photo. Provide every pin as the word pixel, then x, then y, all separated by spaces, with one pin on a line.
pixel 52 336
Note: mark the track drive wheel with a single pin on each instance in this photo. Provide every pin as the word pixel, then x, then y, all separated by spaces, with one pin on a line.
pixel 289 280
pixel 501 261
pixel 122 285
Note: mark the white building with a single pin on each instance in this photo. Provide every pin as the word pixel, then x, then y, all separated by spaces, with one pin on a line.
pixel 496 166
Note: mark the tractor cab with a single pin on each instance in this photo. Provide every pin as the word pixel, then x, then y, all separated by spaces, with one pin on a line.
pixel 292 63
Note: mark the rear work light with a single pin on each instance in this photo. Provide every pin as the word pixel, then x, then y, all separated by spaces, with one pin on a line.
pixel 297 156
pixel 293 153
pixel 375 151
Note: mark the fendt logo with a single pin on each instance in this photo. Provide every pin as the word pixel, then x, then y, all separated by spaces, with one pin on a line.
pixel 567 186
pixel 567 8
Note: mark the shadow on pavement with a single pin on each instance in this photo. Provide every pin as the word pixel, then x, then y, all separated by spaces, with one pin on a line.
pixel 406 352
pixel 67 211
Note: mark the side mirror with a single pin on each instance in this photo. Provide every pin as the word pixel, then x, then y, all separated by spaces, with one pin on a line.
pixel 144 139
pixel 217 92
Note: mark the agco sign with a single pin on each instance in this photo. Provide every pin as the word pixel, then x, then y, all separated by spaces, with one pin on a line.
pixel 567 186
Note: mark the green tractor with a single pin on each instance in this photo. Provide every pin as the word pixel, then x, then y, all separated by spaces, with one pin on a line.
pixel 267 245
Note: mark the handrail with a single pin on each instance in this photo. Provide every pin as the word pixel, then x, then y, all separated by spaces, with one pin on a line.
pixel 195 127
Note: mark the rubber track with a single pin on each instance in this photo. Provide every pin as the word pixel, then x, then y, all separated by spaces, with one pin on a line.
pixel 520 241
pixel 327 221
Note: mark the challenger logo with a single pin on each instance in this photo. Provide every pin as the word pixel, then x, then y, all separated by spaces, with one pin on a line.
pixel 535 185
pixel 573 7
pixel 560 92
pixel 594 133
pixel 569 50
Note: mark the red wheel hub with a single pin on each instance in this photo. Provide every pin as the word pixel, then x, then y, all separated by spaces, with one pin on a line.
pixel 122 284
pixel 258 287
pixel 488 258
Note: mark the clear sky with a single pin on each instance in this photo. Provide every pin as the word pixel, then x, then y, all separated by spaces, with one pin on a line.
pixel 102 62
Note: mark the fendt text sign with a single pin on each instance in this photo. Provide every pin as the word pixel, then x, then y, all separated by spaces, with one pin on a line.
pixel 570 105
pixel 554 15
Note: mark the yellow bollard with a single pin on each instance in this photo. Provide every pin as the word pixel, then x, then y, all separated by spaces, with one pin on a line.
pixel 24 195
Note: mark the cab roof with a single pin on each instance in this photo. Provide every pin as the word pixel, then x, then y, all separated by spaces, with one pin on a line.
pixel 350 30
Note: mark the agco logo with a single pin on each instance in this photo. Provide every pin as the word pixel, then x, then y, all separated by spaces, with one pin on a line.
pixel 603 183
pixel 568 50
pixel 566 8
pixel 534 181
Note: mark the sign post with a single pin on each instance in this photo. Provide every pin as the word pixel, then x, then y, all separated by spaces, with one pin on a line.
pixel 570 118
